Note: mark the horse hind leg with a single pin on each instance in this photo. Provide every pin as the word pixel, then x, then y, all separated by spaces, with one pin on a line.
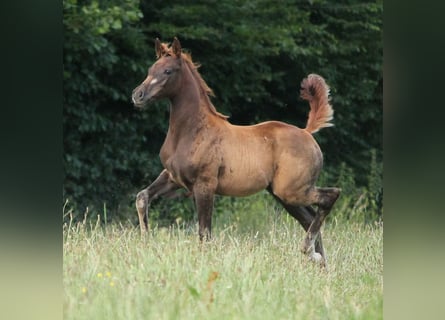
pixel 325 199
pixel 309 213
pixel 305 215
pixel 162 186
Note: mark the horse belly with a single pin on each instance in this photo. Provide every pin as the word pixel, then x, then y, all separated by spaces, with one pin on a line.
pixel 239 183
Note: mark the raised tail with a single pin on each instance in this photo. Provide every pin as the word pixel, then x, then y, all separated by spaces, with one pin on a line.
pixel 315 90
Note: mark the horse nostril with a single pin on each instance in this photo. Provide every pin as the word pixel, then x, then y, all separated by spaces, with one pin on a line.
pixel 137 95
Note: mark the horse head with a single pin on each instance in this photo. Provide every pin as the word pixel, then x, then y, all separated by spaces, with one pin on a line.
pixel 163 76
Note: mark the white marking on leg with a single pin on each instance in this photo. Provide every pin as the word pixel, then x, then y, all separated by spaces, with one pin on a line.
pixel 315 256
pixel 141 203
pixel 309 243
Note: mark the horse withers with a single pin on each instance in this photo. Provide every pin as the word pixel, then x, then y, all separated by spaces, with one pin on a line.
pixel 207 155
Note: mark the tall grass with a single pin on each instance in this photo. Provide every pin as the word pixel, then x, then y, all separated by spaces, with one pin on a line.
pixel 252 269
pixel 246 272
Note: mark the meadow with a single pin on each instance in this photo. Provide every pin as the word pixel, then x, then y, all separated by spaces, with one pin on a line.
pixel 252 269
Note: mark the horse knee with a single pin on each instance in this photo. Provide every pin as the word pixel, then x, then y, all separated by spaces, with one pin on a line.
pixel 142 208
pixel 142 200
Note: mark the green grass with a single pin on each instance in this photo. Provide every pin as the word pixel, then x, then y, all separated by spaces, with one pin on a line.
pixel 111 272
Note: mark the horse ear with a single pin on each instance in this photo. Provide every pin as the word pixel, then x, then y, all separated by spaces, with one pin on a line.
pixel 158 48
pixel 176 46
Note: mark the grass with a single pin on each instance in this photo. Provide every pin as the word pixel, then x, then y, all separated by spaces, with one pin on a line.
pixel 111 272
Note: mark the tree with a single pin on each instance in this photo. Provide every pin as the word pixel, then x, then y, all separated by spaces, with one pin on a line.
pixel 268 47
pixel 254 55
pixel 104 139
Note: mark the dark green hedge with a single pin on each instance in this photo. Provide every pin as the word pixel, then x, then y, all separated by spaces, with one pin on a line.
pixel 254 55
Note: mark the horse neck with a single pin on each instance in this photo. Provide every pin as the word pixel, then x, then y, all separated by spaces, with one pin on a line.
pixel 189 107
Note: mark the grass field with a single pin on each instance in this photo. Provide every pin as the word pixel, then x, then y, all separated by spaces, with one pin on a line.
pixel 111 272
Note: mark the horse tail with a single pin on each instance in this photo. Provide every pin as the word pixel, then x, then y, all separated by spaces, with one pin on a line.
pixel 315 90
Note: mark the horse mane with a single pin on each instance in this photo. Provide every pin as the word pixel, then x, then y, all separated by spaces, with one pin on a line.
pixel 205 90
pixel 203 87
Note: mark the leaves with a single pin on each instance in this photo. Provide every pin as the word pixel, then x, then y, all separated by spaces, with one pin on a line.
pixel 254 55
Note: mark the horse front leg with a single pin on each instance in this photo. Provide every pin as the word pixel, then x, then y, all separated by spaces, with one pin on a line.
pixel 162 186
pixel 204 194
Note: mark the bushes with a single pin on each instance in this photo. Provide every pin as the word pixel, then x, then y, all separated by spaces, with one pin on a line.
pixel 105 140
pixel 357 203
pixel 253 55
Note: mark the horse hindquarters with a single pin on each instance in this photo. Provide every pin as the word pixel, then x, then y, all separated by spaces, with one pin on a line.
pixel 293 185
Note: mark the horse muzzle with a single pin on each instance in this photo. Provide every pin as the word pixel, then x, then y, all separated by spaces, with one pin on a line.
pixel 148 92
pixel 139 97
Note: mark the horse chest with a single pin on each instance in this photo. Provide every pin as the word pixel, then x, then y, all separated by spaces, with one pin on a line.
pixel 184 164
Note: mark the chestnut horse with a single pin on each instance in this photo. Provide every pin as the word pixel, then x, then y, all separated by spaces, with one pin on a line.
pixel 207 155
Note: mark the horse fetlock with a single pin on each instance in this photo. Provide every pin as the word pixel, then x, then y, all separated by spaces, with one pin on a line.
pixel 144 229
pixel 308 246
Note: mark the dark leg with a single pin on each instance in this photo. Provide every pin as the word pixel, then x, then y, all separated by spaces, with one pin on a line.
pixel 326 199
pixel 162 186
pixel 305 216
pixel 309 215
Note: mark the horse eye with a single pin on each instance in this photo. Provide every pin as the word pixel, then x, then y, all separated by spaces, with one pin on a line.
pixel 167 71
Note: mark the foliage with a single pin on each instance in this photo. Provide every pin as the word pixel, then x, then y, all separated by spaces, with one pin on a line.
pixel 253 54
pixel 104 139
pixel 268 48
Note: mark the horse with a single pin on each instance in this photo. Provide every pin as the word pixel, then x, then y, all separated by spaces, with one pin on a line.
pixel 207 155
